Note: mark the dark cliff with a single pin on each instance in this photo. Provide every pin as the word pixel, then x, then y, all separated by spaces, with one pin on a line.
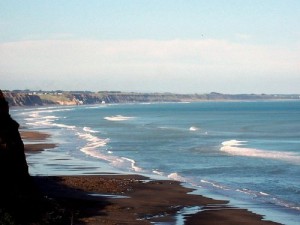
pixel 23 99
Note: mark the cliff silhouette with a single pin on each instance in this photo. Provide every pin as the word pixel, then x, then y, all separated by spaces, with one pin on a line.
pixel 21 200
pixel 16 187
pixel 13 165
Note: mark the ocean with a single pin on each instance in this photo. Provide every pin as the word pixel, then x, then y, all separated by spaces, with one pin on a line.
pixel 245 152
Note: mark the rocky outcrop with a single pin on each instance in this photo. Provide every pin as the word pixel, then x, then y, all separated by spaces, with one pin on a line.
pixel 21 201
pixel 14 176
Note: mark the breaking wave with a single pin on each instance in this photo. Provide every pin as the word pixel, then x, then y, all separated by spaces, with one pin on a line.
pixel 231 191
pixel 118 118
pixel 177 177
pixel 88 129
pixel 95 147
pixel 234 147
pixel 193 128
pixel 37 118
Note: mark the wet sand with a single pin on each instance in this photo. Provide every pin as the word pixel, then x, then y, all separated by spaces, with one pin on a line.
pixel 132 199
pixel 137 200
pixel 36 141
pixel 33 135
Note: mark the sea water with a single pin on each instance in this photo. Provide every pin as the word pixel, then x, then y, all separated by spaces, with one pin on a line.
pixel 247 152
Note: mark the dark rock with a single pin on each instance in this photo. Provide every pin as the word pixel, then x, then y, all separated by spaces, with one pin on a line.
pixel 14 174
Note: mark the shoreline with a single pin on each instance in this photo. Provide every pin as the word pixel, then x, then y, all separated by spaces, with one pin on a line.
pixel 35 141
pixel 132 199
pixel 54 98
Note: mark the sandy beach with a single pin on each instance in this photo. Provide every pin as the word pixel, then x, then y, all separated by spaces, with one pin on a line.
pixel 129 199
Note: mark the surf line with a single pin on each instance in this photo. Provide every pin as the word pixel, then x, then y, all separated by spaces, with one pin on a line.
pixel 233 147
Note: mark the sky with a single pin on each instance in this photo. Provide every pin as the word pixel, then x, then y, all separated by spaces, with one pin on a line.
pixel 180 46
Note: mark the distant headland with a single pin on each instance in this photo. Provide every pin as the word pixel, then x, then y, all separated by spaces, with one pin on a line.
pixel 41 98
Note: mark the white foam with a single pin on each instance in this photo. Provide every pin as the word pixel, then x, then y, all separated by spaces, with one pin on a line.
pixel 158 172
pixel 29 119
pixel 92 139
pixel 133 165
pixel 50 117
pixel 214 184
pixel 233 143
pixel 232 147
pixel 70 127
pixel 193 128
pixel 96 107
pixel 93 149
pixel 122 162
pixel 46 108
pixel 248 192
pixel 37 118
pixel 118 118
pixel 93 143
pixel 263 193
pixel 177 177
pixel 34 115
pixel 90 130
pixel 55 110
pixel 90 150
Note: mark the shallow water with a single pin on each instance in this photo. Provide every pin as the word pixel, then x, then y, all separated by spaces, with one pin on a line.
pixel 248 152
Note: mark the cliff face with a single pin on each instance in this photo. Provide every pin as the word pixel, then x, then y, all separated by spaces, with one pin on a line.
pixel 69 98
pixel 19 99
pixel 78 98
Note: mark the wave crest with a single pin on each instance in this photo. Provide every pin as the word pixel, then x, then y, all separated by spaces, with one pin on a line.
pixel 118 118
pixel 93 148
pixel 177 177
pixel 90 130
pixel 233 147
pixel 193 128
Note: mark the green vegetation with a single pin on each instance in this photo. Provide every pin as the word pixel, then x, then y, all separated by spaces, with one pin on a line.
pixel 55 98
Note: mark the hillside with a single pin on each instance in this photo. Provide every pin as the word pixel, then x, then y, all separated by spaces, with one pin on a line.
pixel 40 98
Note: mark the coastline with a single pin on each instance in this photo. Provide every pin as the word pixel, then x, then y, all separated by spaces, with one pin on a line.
pixel 131 199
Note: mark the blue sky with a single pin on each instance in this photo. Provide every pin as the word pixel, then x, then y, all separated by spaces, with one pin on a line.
pixel 191 46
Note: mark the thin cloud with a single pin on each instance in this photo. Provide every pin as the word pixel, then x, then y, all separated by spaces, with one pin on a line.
pixel 64 56
pixel 193 60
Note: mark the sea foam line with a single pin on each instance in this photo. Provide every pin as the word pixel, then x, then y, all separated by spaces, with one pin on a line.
pixel 133 164
pixel 118 118
pixel 88 129
pixel 193 128
pixel 177 177
pixel 37 118
pixel 96 145
pixel 93 145
pixel 259 195
pixel 233 147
